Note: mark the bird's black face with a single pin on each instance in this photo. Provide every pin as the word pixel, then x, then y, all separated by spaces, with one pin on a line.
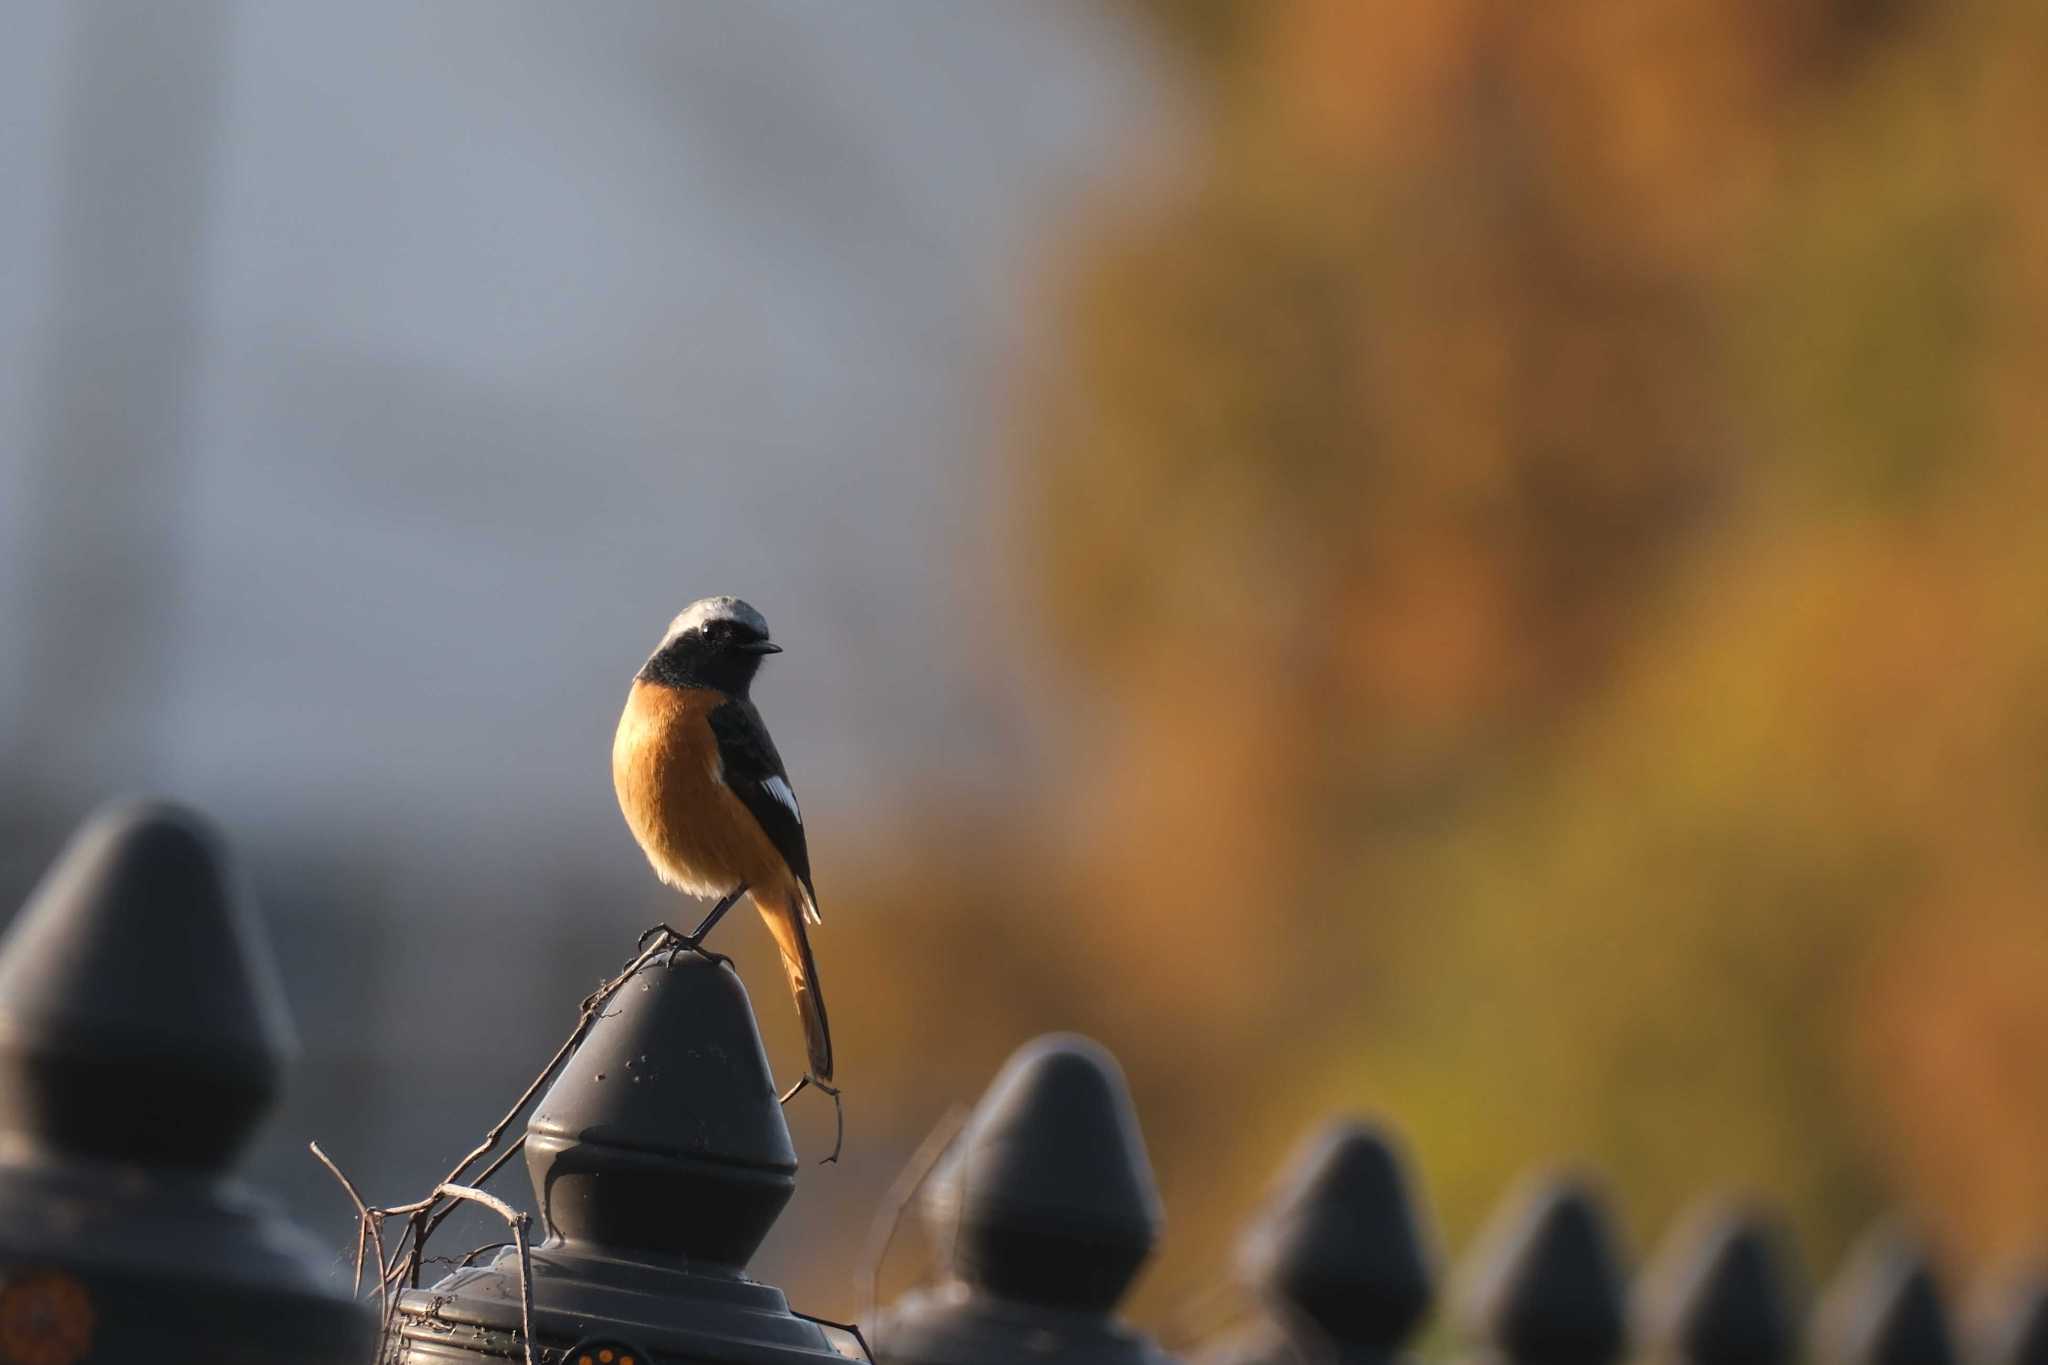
pixel 720 652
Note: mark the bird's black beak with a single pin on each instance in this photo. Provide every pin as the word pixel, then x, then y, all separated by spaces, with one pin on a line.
pixel 761 647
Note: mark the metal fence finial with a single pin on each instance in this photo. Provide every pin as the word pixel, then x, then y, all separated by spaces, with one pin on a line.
pixel 1546 1285
pixel 1718 1293
pixel 659 1160
pixel 1044 1210
pixel 1884 1307
pixel 1341 1257
pixel 142 1040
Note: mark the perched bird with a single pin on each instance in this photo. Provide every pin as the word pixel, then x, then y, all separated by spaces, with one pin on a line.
pixel 704 791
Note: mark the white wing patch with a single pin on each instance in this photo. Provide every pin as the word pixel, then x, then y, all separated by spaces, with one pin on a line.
pixel 779 789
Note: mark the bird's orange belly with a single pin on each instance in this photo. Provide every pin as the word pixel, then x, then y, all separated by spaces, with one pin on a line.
pixel 665 768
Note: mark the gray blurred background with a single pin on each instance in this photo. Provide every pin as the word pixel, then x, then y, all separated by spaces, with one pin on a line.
pixel 375 381
pixel 1392 558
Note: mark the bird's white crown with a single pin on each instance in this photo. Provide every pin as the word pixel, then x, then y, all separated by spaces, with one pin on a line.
pixel 708 609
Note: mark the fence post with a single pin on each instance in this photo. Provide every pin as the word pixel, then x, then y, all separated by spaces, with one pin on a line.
pixel 1043 1212
pixel 1718 1294
pixel 142 1039
pixel 1544 1288
pixel 659 1159
pixel 1340 1258
pixel 1884 1308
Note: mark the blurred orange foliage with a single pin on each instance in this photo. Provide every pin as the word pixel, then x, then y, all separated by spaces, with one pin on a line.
pixel 1540 532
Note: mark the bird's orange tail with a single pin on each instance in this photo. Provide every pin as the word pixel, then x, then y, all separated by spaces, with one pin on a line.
pixel 785 919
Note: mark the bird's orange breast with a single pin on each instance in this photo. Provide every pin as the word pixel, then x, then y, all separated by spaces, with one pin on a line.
pixel 666 770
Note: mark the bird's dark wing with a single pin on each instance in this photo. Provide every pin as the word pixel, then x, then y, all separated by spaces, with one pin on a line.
pixel 753 770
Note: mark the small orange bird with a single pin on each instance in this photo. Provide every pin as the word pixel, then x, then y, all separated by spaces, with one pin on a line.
pixel 704 791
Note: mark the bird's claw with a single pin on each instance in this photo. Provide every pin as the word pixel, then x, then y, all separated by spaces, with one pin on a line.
pixel 640 944
pixel 696 945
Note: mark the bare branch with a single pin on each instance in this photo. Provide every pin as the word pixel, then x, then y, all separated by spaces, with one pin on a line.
pixel 518 1221
pixel 368 1223
pixel 662 938
pixel 809 1082
pixel 469 1257
pixel 850 1328
pixel 889 1217
pixel 498 1164
pixel 402 1263
pixel 424 1216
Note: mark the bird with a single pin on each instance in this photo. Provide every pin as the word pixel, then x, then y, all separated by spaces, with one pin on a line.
pixel 707 798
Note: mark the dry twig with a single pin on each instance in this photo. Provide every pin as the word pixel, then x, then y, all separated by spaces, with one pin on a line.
pixel 850 1328
pixel 518 1221
pixel 369 1224
pixel 497 1164
pixel 424 1216
pixel 889 1217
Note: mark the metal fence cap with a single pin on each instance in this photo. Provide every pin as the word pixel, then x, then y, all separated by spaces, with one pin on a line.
pixel 1545 1285
pixel 1342 1243
pixel 1048 1194
pixel 136 983
pixel 1718 1292
pixel 663 1133
pixel 1044 1210
pixel 660 1159
pixel 1885 1306
pixel 142 1037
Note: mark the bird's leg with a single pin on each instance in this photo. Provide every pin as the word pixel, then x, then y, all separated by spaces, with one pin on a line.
pixel 710 922
pixel 810 1082
pixel 694 940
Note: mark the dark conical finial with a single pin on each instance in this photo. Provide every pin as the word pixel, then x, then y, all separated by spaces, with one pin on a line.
pixel 1342 1246
pixel 1048 1194
pixel 660 1160
pixel 134 985
pixel 2017 1332
pixel 663 1135
pixel 1718 1294
pixel 1047 1206
pixel 1545 1287
pixel 1885 1307
pixel 142 1035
